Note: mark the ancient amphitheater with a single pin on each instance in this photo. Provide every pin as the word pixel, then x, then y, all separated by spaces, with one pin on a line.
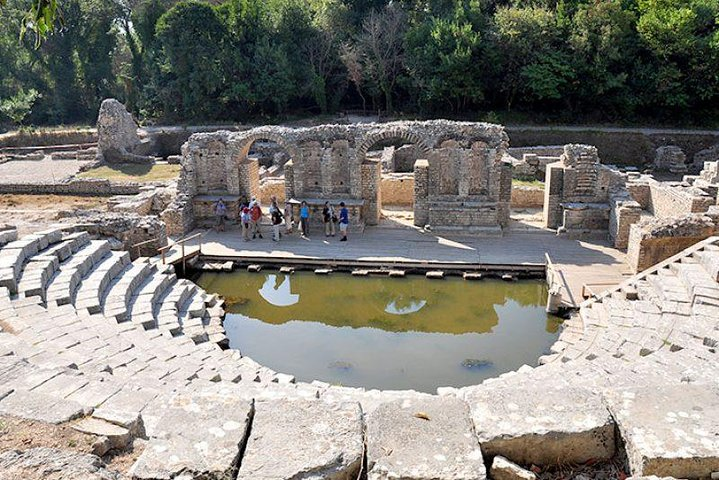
pixel 133 357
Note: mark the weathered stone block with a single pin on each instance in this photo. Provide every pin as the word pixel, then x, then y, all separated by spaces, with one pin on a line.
pixel 200 435
pixel 423 439
pixel 304 439
pixel 669 430
pixel 541 424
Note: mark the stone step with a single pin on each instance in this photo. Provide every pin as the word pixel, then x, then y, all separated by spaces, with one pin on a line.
pixel 668 286
pixel 291 438
pixel 545 424
pixel 93 287
pixel 7 235
pixel 217 422
pixel 668 430
pixel 709 259
pixel 62 287
pixel 443 445
pixel 123 288
pixel 143 302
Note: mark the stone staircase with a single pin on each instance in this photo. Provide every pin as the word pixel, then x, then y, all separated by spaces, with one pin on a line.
pixel 124 350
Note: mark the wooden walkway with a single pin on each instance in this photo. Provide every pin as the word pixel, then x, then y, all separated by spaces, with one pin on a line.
pixel 580 262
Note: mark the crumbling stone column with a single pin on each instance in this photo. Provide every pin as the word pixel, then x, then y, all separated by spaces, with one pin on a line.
pixel 421 192
pixel 623 213
pixel 553 188
pixel 289 180
pixel 249 173
pixel 371 177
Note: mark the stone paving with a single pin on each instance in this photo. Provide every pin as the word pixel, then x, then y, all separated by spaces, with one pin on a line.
pixel 39 171
pixel 637 365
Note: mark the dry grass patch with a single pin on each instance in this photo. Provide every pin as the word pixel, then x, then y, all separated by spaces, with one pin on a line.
pixel 21 434
pixel 132 172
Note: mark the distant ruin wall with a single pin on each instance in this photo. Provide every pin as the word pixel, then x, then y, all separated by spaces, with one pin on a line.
pixel 654 240
pixel 618 147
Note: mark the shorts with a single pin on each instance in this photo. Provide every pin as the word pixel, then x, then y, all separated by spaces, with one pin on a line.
pixel 343 227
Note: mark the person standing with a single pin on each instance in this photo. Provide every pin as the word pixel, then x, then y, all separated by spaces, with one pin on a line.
pixel 304 219
pixel 220 214
pixel 256 218
pixel 344 221
pixel 289 218
pixel 329 219
pixel 276 217
pixel 245 219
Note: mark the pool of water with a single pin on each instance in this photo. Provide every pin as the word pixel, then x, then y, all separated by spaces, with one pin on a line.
pixel 379 332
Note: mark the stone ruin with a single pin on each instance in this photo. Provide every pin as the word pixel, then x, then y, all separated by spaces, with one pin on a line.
pixel 670 158
pixel 461 179
pixel 117 137
pixel 578 190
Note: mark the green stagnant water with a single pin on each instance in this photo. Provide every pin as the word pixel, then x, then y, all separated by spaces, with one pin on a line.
pixel 379 332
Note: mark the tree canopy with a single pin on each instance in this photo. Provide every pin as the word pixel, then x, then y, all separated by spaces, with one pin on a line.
pixel 196 61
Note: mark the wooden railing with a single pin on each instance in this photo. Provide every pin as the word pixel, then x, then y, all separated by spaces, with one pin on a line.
pixel 556 280
pixel 138 245
pixel 181 243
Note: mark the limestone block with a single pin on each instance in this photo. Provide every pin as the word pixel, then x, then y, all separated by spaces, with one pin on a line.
pixel 115 436
pixel 503 469
pixel 200 435
pixel 40 407
pixel 53 464
pixel 423 439
pixel 669 430
pixel 545 424
pixel 304 439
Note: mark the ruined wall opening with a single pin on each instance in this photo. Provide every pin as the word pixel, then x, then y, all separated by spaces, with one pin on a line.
pixel 397 154
pixel 270 156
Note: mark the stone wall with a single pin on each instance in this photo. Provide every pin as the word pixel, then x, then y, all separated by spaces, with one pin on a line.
pixel 270 187
pixel 670 199
pixel 329 162
pixel 75 186
pixel 579 184
pixel 624 212
pixel 397 189
pixel 127 230
pixel 656 239
pixel 527 197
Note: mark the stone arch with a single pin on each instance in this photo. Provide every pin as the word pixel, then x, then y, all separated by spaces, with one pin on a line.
pixel 264 134
pixel 395 132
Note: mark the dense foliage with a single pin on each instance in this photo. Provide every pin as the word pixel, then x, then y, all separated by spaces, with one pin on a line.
pixel 191 61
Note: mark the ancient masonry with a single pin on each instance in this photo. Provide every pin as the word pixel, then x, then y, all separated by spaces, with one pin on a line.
pixel 130 351
pixel 460 180
pixel 118 140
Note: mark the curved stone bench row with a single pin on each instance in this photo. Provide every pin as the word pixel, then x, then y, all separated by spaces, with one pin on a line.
pixel 637 365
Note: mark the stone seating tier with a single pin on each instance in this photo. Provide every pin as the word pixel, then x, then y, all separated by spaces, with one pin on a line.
pixel 633 373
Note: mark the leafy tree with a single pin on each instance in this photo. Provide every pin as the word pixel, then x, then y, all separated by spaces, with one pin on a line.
pixel 381 47
pixel 19 106
pixel 443 59
pixel 192 40
pixel 531 59
pixel 603 45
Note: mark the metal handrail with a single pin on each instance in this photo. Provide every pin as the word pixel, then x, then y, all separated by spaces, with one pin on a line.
pixel 138 245
pixel 181 242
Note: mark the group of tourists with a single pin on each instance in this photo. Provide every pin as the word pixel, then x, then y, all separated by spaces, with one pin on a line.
pixel 250 218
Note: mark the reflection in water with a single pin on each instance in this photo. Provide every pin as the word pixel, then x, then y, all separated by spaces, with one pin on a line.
pixel 278 296
pixel 413 306
pixel 385 333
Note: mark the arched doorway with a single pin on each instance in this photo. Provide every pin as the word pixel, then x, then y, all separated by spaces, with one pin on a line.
pixel 396 152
